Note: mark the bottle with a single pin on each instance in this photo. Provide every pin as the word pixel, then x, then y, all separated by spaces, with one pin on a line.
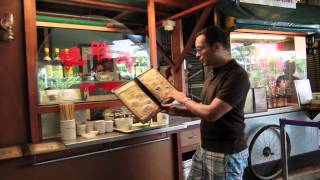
pixel 57 67
pixel 48 63
pixel 45 69
pixel 68 71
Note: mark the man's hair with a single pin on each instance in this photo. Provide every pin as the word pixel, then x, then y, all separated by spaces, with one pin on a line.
pixel 214 34
pixel 290 66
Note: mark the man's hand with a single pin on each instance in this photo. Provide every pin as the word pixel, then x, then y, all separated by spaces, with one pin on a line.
pixel 178 96
pixel 168 108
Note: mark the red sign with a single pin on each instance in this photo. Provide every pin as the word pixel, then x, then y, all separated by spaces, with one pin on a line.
pixel 71 57
pixel 101 51
pixel 126 59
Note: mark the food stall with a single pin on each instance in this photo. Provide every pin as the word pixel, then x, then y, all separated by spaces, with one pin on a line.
pixel 78 51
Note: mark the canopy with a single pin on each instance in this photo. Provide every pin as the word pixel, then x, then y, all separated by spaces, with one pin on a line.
pixel 305 18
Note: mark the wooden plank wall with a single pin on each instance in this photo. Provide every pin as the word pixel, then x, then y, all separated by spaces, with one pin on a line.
pixel 13 91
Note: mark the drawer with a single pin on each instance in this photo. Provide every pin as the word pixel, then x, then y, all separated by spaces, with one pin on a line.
pixel 190 137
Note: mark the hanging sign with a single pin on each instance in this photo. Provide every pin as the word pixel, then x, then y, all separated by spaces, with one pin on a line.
pixel 277 3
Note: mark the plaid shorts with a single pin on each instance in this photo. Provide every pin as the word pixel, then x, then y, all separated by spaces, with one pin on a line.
pixel 208 165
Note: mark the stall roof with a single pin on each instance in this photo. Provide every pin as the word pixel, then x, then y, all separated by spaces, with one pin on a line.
pixel 305 18
pixel 132 13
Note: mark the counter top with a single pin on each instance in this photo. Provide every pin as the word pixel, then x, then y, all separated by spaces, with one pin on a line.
pixel 176 123
pixel 273 111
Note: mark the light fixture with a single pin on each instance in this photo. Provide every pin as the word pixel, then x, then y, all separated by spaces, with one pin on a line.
pixel 7 23
pixel 168 25
pixel 256 36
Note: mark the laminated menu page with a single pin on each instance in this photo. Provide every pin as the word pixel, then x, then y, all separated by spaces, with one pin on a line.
pixel 144 95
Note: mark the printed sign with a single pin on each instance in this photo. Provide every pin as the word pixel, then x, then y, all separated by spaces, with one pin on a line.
pixel 277 3
pixel 10 152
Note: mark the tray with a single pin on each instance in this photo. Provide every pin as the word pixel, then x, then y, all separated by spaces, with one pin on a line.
pixel 153 126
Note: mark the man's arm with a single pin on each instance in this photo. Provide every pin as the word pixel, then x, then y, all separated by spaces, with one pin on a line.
pixel 211 112
pixel 177 110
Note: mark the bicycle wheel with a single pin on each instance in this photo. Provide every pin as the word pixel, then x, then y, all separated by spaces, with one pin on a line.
pixel 265 152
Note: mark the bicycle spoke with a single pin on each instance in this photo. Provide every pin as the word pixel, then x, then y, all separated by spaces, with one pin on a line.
pixel 265 149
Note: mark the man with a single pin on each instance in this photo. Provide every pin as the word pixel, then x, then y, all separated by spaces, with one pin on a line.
pixel 287 80
pixel 223 152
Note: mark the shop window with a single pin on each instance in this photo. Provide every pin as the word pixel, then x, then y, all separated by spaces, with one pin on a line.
pixel 84 65
pixel 273 62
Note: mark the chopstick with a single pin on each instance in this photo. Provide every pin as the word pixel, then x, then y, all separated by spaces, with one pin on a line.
pixel 66 111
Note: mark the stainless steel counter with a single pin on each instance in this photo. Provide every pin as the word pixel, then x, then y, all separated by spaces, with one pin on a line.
pixel 176 123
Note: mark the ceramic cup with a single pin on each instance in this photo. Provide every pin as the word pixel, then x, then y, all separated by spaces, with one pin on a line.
pixel 123 123
pixel 100 126
pixel 68 130
pixel 81 129
pixel 163 118
pixel 89 126
pixel 109 126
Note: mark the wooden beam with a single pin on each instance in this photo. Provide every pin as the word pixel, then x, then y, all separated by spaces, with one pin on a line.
pixel 152 33
pixel 103 4
pixel 164 55
pixel 77 26
pixel 191 39
pixel 271 32
pixel 31 56
pixel 121 15
pixel 176 49
pixel 172 3
pixel 188 11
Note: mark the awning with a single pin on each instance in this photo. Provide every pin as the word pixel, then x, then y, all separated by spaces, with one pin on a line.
pixel 305 18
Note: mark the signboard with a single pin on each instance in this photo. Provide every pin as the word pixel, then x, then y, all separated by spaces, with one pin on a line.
pixel 304 91
pixel 10 152
pixel 45 147
pixel 277 3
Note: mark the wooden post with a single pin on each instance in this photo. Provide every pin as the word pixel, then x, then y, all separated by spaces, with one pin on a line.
pixel 192 37
pixel 176 49
pixel 152 34
pixel 31 55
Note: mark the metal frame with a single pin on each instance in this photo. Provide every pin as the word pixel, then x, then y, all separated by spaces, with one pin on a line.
pixel 283 122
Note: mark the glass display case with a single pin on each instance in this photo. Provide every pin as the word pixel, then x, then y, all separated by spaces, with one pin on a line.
pixel 85 65
pixel 273 62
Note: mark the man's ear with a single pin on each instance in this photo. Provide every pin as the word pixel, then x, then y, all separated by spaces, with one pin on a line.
pixel 216 46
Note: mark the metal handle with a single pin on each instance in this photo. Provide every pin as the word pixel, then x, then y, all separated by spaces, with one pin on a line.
pixel 97 152
pixel 191 137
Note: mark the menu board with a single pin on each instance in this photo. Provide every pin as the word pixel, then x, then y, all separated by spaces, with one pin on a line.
pixel 143 96
pixel 304 91
pixel 159 86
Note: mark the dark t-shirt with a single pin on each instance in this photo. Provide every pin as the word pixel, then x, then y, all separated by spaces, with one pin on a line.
pixel 229 83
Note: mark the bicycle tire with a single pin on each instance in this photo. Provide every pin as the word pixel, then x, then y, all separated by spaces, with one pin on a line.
pixel 267 151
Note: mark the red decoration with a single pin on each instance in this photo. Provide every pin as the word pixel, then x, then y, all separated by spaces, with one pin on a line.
pixel 88 86
pixel 125 58
pixel 102 51
pixel 71 57
pixel 108 86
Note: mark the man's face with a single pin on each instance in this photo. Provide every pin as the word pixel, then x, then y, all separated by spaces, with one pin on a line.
pixel 204 51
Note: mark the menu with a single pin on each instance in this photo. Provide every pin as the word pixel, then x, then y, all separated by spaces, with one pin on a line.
pixel 144 95
pixel 304 91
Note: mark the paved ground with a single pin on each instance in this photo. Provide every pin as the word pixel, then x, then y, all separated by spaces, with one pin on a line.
pixel 308 173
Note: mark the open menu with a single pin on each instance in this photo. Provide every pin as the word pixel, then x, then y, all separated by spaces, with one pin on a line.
pixel 144 95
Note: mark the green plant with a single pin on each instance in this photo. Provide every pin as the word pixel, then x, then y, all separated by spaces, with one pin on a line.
pixel 65 82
